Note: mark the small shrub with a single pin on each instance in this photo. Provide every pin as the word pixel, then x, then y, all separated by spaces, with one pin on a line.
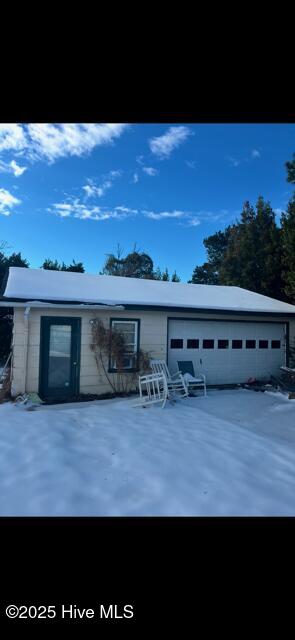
pixel 108 345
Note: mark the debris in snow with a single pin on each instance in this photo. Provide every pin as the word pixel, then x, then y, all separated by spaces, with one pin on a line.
pixel 28 401
pixel 258 385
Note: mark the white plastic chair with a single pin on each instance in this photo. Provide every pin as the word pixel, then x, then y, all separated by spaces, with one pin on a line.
pixel 152 389
pixel 175 382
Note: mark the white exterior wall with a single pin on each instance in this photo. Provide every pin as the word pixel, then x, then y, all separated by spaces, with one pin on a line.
pixel 153 338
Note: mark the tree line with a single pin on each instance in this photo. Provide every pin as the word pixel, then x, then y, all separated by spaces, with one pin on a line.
pixel 136 264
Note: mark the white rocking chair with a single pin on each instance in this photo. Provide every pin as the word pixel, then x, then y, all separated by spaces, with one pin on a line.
pixel 152 389
pixel 175 382
pixel 192 381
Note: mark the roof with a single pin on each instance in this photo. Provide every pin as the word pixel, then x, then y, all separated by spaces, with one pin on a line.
pixel 80 288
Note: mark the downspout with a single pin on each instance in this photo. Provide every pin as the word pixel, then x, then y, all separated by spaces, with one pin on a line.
pixel 26 341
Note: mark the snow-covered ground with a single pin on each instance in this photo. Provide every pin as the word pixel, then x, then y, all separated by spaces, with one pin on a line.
pixel 232 453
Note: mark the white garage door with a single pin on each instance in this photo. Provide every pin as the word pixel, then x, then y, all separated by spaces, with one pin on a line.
pixel 227 352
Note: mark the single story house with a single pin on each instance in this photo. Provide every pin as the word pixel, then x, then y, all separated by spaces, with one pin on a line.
pixel 229 333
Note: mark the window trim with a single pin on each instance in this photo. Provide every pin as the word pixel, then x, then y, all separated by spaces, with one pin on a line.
pixel 263 340
pixel 193 340
pixel 251 340
pixel 135 321
pixel 223 340
pixel 208 340
pixel 236 340
pixel 177 340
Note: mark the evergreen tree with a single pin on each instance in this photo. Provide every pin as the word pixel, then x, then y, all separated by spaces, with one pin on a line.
pixel 165 275
pixel 138 265
pixel 253 258
pixel 51 265
pixel 113 266
pixel 14 260
pixel 175 277
pixel 246 254
pixel 135 265
pixel 288 237
pixel 288 242
pixel 215 245
pixel 76 267
pixel 205 274
pixel 158 274
pixel 291 170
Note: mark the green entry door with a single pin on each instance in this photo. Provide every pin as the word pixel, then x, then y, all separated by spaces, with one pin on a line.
pixel 60 358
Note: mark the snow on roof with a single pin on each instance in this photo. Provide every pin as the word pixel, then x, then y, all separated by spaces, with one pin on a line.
pixel 62 286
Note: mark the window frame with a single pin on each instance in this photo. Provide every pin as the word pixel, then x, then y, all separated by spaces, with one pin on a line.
pixel 262 347
pixel 222 340
pixel 208 340
pixel 250 340
pixel 193 340
pixel 176 340
pixel 136 322
pixel 236 340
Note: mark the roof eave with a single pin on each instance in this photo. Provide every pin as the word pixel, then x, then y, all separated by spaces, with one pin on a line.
pixel 23 302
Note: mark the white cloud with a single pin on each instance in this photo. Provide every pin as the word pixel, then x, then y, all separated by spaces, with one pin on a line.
pixel 92 190
pixel 49 142
pixel 64 209
pixel 188 218
pixel 162 146
pixel 7 202
pixel 135 178
pixel 12 137
pixel 53 141
pixel 76 209
pixel 126 209
pixel 164 214
pixel 235 162
pixel 89 190
pixel 17 169
pixel 12 167
pixel 150 171
pixel 140 159
pixel 194 222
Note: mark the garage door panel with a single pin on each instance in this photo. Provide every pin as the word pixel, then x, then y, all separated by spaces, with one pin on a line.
pixel 228 365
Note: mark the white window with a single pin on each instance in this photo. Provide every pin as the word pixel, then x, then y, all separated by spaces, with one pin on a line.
pixel 130 330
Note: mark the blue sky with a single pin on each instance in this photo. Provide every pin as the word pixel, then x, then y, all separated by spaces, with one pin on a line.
pixel 77 191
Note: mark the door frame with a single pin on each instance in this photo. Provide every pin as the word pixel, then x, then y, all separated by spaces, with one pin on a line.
pixel 45 323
